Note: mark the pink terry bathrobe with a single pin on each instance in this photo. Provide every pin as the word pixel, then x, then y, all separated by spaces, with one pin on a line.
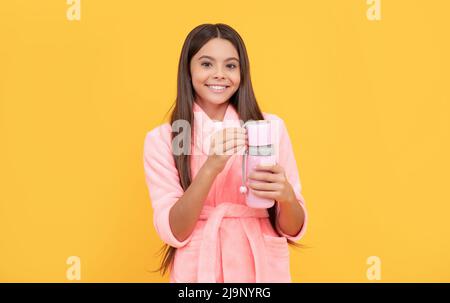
pixel 231 241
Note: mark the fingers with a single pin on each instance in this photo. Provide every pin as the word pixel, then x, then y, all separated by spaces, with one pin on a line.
pixel 229 147
pixel 265 176
pixel 265 194
pixel 230 130
pixel 264 186
pixel 229 140
pixel 277 169
pixel 234 144
pixel 230 133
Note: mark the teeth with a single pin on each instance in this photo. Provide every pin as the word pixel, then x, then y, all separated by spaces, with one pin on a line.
pixel 217 87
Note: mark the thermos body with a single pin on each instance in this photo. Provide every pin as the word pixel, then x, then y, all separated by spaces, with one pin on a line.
pixel 261 151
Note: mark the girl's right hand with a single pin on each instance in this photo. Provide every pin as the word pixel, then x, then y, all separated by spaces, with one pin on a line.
pixel 225 143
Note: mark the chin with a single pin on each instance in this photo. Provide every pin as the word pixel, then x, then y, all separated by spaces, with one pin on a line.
pixel 218 102
pixel 216 99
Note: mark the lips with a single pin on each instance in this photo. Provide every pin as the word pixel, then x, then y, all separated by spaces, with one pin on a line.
pixel 217 89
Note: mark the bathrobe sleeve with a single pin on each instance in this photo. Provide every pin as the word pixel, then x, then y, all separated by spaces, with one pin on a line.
pixel 287 161
pixel 163 181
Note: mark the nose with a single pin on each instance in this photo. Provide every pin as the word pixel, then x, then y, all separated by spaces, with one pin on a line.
pixel 219 74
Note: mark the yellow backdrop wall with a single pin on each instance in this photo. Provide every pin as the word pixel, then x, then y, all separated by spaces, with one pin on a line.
pixel 365 99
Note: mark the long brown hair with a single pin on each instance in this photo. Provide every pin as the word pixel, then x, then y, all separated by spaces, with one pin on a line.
pixel 243 101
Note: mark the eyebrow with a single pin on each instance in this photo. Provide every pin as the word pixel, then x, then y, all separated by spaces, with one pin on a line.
pixel 211 58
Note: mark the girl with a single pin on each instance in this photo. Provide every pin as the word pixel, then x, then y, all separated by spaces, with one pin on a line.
pixel 211 235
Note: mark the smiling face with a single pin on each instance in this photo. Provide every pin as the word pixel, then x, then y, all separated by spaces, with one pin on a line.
pixel 215 72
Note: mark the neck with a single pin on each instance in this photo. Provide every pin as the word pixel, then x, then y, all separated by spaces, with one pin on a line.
pixel 214 111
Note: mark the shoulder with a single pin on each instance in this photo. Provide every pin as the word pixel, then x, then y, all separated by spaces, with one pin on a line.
pixel 269 116
pixel 159 134
pixel 275 119
pixel 278 125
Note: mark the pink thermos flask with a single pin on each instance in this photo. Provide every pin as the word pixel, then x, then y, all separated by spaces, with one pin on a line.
pixel 260 151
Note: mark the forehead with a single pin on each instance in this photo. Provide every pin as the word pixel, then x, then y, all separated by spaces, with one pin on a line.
pixel 220 49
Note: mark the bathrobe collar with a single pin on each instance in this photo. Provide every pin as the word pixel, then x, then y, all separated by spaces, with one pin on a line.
pixel 230 113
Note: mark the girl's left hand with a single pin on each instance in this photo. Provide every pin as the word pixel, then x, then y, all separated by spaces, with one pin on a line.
pixel 271 182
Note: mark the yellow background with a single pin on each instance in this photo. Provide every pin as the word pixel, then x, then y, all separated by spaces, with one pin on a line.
pixel 366 103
